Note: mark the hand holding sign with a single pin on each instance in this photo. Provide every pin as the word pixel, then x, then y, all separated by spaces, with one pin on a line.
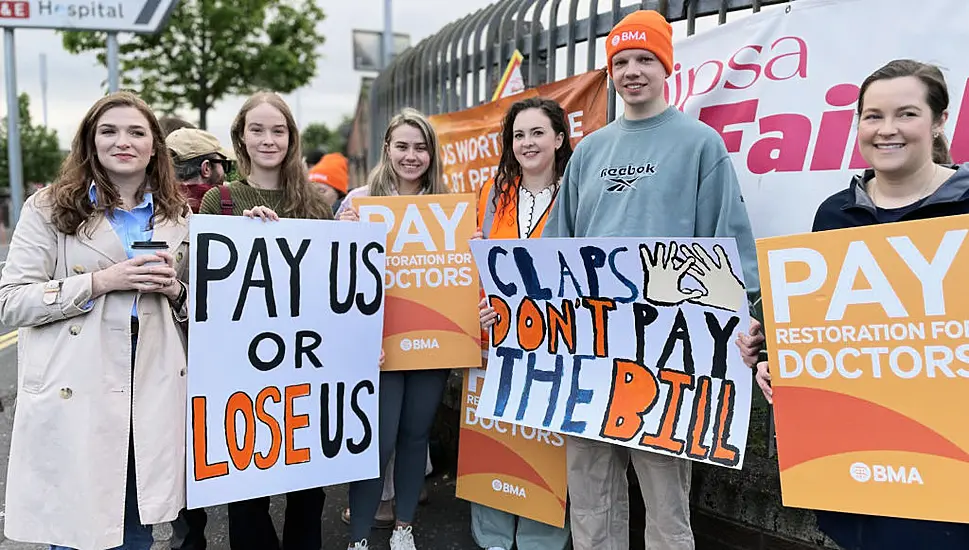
pixel 662 280
pixel 723 289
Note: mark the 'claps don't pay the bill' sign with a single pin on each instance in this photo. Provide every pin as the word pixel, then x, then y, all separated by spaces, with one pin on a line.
pixel 868 334
pixel 626 341
pixel 431 316
pixel 286 322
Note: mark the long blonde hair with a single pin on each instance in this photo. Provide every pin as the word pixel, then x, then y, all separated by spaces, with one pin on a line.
pixel 301 199
pixel 383 180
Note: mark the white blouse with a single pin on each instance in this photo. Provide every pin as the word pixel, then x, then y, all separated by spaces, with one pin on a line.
pixel 531 207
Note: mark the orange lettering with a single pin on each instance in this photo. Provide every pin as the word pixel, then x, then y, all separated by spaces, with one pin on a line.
pixel 724 453
pixel 531 325
pixel 499 331
pixel 561 323
pixel 600 323
pixel 634 391
pixel 666 439
pixel 241 457
pixel 203 470
pixel 700 421
pixel 266 461
pixel 293 422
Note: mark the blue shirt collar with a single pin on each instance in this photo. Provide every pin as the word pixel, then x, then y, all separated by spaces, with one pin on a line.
pixel 147 202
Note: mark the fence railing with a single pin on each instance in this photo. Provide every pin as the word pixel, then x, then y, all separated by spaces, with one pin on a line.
pixel 459 66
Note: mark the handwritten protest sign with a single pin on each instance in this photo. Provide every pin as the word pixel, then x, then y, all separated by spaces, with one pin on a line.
pixel 868 334
pixel 431 318
pixel 282 361
pixel 518 469
pixel 627 341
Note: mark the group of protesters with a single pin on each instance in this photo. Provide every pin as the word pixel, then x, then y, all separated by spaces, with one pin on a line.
pixel 98 446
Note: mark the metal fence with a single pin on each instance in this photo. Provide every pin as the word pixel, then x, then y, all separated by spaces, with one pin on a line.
pixel 458 67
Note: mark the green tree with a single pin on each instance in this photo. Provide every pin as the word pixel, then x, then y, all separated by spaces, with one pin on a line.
pixel 211 49
pixel 319 136
pixel 39 148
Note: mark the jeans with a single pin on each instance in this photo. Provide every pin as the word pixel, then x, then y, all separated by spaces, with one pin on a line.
pixel 188 530
pixel 136 535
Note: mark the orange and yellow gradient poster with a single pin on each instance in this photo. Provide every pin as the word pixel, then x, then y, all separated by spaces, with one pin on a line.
pixel 517 469
pixel 430 281
pixel 869 357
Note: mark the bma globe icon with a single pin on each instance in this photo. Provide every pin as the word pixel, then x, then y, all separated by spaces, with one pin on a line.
pixel 860 472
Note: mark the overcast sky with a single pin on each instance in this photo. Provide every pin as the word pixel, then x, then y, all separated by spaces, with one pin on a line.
pixel 76 81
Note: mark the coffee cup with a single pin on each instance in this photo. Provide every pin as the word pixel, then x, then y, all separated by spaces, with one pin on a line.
pixel 147 248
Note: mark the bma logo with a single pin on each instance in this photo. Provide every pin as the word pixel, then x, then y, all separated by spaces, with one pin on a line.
pixel 629 35
pixel 878 473
pixel 507 488
pixel 408 344
pixel 624 178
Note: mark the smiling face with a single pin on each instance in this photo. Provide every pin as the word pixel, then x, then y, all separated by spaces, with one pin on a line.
pixel 266 136
pixel 896 126
pixel 123 142
pixel 408 153
pixel 534 142
pixel 639 78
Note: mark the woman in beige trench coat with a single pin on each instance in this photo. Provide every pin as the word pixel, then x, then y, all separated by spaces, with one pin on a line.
pixel 101 358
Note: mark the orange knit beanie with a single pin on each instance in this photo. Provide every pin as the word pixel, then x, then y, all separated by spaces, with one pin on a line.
pixel 642 30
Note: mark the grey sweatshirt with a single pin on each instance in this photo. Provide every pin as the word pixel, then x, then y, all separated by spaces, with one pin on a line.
pixel 665 176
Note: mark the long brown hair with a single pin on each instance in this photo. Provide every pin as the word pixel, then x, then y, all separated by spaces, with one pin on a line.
pixel 383 180
pixel 936 95
pixel 509 169
pixel 301 199
pixel 69 193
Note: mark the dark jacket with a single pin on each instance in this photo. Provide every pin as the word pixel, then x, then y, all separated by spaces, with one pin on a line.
pixel 853 207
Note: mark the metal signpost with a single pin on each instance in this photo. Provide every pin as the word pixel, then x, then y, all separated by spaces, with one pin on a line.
pixel 110 16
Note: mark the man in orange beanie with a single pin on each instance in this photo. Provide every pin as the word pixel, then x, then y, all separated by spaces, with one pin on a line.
pixel 653 172
pixel 332 174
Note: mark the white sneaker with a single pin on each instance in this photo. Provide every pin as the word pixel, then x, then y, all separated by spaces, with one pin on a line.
pixel 496 548
pixel 362 545
pixel 402 539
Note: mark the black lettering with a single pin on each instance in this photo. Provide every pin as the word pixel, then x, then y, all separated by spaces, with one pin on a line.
pixel 336 304
pixel 302 348
pixel 293 261
pixel 331 447
pixel 277 358
pixel 371 307
pixel 721 339
pixel 644 315
pixel 260 254
pixel 679 333
pixel 207 274
pixel 357 448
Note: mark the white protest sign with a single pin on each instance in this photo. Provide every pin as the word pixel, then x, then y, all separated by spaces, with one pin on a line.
pixel 285 333
pixel 781 87
pixel 626 341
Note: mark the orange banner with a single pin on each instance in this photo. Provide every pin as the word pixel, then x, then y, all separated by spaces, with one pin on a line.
pixel 471 139
pixel 517 469
pixel 430 283
pixel 867 334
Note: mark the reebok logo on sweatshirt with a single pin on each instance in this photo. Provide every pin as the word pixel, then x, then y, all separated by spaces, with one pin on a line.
pixel 624 178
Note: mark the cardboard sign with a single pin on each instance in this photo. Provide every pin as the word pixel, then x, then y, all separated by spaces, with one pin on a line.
pixel 518 469
pixel 867 333
pixel 431 319
pixel 471 139
pixel 626 341
pixel 282 360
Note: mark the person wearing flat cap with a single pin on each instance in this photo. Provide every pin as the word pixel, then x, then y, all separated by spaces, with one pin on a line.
pixel 652 173
pixel 201 162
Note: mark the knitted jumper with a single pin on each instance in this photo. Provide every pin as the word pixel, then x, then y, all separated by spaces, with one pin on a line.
pixel 244 197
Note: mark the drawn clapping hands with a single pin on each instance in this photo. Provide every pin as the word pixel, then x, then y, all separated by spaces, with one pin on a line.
pixel 723 289
pixel 662 279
